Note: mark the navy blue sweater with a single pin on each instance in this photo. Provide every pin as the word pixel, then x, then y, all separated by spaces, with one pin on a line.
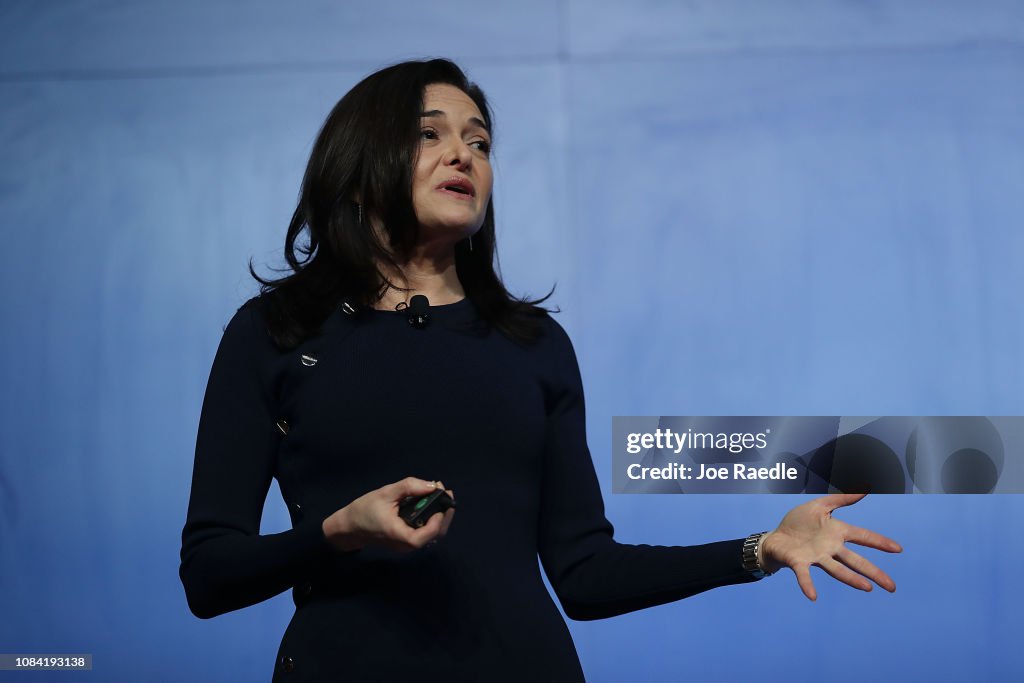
pixel 501 424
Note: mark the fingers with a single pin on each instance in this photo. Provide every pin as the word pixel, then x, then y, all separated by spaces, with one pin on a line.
pixel 867 568
pixel 446 517
pixel 448 514
pixel 842 573
pixel 803 578
pixel 410 486
pixel 447 520
pixel 408 538
pixel 851 569
pixel 870 539
pixel 436 526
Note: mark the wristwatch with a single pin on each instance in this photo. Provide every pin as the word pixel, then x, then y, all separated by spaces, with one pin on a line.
pixel 751 546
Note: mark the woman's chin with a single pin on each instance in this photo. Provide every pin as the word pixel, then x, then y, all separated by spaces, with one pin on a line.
pixel 449 231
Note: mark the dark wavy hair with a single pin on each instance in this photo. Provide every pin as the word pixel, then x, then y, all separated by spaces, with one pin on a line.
pixel 367 148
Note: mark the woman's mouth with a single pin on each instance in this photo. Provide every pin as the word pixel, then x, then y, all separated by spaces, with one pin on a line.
pixel 458 187
pixel 456 192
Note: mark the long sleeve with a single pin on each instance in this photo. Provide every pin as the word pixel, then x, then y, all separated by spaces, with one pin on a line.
pixel 225 563
pixel 594 576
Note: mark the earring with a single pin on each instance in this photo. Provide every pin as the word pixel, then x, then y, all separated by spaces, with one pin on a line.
pixel 360 214
pixel 471 243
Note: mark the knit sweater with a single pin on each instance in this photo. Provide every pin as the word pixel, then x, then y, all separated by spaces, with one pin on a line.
pixel 370 400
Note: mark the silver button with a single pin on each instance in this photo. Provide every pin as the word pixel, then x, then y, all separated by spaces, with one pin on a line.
pixel 282 425
pixel 308 361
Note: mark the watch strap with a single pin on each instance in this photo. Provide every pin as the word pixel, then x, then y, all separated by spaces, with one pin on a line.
pixel 751 552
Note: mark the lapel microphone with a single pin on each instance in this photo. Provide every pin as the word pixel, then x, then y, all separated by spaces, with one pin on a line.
pixel 418 307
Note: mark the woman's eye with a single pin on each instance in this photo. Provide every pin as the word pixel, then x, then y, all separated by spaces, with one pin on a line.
pixel 484 146
pixel 428 134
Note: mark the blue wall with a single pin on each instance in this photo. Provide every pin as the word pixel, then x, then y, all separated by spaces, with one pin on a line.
pixel 779 208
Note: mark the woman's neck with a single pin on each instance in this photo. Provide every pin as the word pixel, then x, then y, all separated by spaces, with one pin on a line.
pixel 435 279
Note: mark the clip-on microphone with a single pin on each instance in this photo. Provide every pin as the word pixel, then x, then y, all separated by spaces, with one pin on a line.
pixel 418 307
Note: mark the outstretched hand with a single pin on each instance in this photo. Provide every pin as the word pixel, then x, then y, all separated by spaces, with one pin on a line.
pixel 809 535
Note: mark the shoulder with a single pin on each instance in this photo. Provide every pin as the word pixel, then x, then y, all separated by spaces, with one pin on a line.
pixel 247 328
pixel 248 319
pixel 559 360
pixel 554 339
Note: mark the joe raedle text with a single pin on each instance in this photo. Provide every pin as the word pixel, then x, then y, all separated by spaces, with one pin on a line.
pixel 735 472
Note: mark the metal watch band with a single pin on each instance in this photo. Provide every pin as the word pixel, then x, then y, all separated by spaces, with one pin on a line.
pixel 750 563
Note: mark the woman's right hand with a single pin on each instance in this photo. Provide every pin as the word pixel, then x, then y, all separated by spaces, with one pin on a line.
pixel 373 519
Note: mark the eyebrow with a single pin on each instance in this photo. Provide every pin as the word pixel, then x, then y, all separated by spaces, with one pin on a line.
pixel 437 113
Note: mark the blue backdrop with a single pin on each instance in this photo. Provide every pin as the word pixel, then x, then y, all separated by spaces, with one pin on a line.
pixel 766 208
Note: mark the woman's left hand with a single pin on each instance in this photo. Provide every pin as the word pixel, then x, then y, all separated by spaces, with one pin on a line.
pixel 810 535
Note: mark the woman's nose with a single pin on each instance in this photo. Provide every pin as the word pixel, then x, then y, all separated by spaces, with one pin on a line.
pixel 459 155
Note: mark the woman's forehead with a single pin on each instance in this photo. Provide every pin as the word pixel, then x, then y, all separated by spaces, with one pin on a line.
pixel 450 100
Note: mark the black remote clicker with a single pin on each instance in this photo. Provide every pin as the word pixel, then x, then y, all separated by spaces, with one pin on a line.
pixel 417 510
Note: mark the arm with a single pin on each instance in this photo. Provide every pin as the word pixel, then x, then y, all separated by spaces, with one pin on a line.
pixel 225 563
pixel 594 576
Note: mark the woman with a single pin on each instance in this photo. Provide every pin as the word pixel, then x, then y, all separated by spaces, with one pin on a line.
pixel 323 383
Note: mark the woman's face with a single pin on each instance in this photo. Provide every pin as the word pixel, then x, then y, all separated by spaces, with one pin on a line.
pixel 452 179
